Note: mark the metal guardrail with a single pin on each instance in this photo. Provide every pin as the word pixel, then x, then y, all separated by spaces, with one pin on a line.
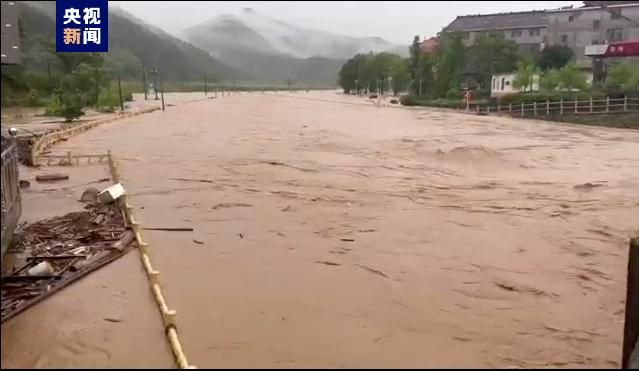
pixel 11 204
pixel 562 107
pixel 47 140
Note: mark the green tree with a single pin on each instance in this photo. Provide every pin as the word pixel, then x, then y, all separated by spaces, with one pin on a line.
pixel 554 57
pixel 571 78
pixel 624 76
pixel 492 53
pixel 426 77
pixel 401 76
pixel 449 65
pixel 349 73
pixel 549 81
pixel 524 76
pixel 415 51
pixel 83 75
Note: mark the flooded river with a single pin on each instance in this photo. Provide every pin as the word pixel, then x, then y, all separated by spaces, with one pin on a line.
pixel 333 233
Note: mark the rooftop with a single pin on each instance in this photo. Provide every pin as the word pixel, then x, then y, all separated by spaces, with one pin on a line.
pixel 498 21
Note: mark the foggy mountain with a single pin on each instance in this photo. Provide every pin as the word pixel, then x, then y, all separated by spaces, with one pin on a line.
pixel 272 50
pixel 132 43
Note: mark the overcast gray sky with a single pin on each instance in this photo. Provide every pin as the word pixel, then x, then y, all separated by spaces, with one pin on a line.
pixel 396 21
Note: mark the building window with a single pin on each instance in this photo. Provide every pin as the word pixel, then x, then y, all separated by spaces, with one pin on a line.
pixel 533 32
pixel 564 38
pixel 515 33
pixel 615 13
pixel 595 42
pixel 571 18
pixel 596 24
pixel 503 80
pixel 614 34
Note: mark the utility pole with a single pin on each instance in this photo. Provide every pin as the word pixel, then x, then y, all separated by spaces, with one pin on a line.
pixel 162 89
pixel 144 83
pixel 155 81
pixel 49 71
pixel 420 86
pixel 120 94
pixel 96 88
pixel 205 88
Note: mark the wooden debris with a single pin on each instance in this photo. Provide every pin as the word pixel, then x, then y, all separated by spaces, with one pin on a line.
pixel 325 262
pixel 99 219
pixel 90 195
pixel 72 244
pixel 55 257
pixel 225 205
pixel 127 238
pixel 193 180
pixel 116 320
pixel 169 229
pixel 51 177
pixel 373 270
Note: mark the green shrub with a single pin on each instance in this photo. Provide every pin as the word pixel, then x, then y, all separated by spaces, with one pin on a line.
pixel 54 107
pixel 453 93
pixel 107 101
pixel 33 99
pixel 66 105
pixel 411 100
pixel 127 96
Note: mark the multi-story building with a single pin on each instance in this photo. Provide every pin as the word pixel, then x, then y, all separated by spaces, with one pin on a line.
pixel 527 29
pixel 596 23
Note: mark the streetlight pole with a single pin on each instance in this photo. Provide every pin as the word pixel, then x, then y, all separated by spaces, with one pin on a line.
pixel 120 94
pixel 162 88
pixel 154 72
pixel 144 82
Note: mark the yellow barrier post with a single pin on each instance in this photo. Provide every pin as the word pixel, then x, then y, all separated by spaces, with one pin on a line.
pixel 169 317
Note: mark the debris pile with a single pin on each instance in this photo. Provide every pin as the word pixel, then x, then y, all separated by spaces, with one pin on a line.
pixel 61 250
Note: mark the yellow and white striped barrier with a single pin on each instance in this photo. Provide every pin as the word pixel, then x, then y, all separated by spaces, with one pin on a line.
pixel 168 315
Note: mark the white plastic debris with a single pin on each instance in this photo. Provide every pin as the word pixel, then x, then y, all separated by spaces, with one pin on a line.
pixel 42 269
pixel 111 194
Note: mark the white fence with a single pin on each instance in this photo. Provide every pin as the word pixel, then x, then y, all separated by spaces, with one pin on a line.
pixel 562 107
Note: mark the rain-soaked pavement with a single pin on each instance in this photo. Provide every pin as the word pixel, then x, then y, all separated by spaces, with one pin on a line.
pixel 339 234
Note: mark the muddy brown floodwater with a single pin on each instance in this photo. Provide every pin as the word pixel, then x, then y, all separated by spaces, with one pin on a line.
pixel 338 234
